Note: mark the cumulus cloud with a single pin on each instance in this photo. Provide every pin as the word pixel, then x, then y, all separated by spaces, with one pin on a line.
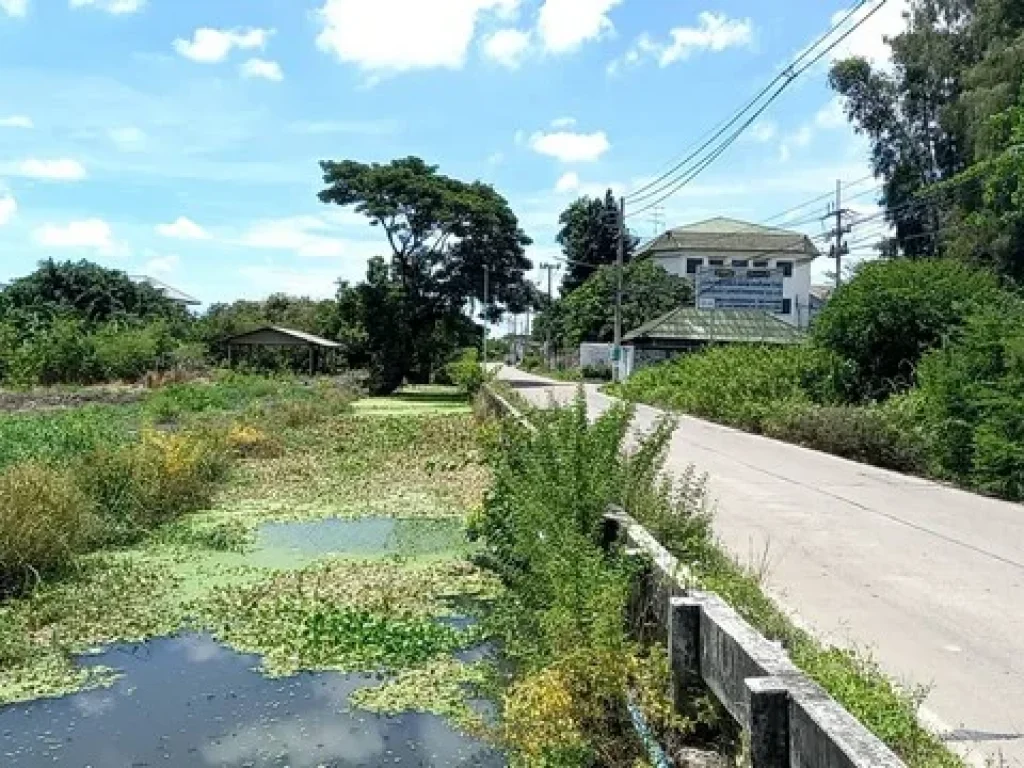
pixel 569 182
pixel 94 234
pixel 183 229
pixel 62 169
pixel 262 68
pixel 762 131
pixel 16 8
pixel 563 122
pixel 869 41
pixel 116 7
pixel 571 147
pixel 128 138
pixel 210 46
pixel 831 115
pixel 8 207
pixel 714 32
pixel 508 47
pixel 801 137
pixel 394 36
pixel 16 121
pixel 308 236
pixel 565 25
pixel 161 265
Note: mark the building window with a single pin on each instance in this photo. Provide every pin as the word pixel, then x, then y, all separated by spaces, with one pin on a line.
pixel 716 263
pixel 786 267
pixel 787 306
pixel 692 265
pixel 761 264
pixel 740 263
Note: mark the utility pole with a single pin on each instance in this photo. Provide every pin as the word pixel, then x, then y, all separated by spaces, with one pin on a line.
pixel 839 247
pixel 547 342
pixel 487 304
pixel 617 349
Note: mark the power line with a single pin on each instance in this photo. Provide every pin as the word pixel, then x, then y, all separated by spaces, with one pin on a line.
pixel 786 77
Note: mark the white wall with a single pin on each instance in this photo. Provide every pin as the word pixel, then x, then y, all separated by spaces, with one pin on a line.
pixel 796 288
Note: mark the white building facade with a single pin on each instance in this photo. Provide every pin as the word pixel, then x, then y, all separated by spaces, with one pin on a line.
pixel 723 242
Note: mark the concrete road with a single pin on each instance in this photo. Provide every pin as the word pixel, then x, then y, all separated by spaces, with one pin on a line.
pixel 928 579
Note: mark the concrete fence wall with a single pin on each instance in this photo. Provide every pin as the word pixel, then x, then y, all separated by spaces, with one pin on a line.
pixel 792 721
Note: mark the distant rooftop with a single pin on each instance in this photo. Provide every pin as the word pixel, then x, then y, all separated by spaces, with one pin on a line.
pixel 718 325
pixel 171 293
pixel 276 336
pixel 724 235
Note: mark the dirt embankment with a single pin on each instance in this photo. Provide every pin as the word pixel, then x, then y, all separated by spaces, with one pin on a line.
pixel 42 400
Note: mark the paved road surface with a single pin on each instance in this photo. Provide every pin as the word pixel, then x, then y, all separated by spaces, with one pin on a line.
pixel 929 579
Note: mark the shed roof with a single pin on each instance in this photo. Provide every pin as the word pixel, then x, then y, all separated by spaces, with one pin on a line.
pixel 724 235
pixel 274 336
pixel 171 293
pixel 718 325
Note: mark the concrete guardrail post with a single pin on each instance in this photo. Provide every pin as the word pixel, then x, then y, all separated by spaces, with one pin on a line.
pixel 684 648
pixel 769 722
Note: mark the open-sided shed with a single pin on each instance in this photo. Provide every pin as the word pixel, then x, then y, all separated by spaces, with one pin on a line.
pixel 271 337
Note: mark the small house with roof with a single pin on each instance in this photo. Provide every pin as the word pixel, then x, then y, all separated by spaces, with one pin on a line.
pixel 730 243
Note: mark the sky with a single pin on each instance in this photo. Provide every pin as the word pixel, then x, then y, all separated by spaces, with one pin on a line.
pixel 181 138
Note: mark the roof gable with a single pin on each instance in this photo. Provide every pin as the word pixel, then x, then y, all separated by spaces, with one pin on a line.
pixel 275 336
pixel 718 325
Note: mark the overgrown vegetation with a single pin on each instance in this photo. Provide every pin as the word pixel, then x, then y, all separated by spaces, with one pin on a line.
pixel 913 365
pixel 542 528
pixel 560 621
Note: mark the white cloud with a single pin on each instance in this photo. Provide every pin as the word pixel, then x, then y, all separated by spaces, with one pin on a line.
pixel 519 137
pixel 831 115
pixel 507 47
pixel 762 131
pixel 799 138
pixel 63 169
pixel 8 207
pixel 209 46
pixel 392 36
pixel 262 68
pixel 183 229
pixel 16 8
pixel 161 265
pixel 16 121
pixel 715 32
pixel 496 159
pixel 94 234
pixel 314 283
pixel 128 138
pixel 571 147
pixel 565 25
pixel 569 182
pixel 563 122
pixel 308 236
pixel 111 6
pixel 869 39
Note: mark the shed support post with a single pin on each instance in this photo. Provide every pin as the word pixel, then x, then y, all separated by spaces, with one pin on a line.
pixel 769 722
pixel 230 347
pixel 312 360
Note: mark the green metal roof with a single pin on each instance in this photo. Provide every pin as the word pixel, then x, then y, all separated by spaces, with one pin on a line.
pixel 713 325
pixel 722 235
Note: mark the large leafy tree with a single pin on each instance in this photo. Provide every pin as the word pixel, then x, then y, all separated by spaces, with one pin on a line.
pixel 929 118
pixel 89 293
pixel 443 234
pixel 589 236
pixel 588 313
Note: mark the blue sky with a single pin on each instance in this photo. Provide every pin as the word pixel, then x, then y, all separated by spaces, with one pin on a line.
pixel 180 138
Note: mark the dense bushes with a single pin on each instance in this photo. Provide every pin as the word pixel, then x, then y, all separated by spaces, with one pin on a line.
pixel 913 366
pixel 467 372
pixel 892 313
pixel 560 621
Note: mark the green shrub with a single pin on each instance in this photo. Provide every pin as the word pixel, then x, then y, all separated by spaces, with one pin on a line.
pixel 884 320
pixel 55 436
pixel 467 373
pixel 738 385
pixel 860 433
pixel 596 373
pixel 972 392
pixel 128 353
pixel 45 520
pixel 139 487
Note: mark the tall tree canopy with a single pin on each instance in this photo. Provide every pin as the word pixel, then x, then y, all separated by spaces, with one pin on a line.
pixel 93 294
pixel 588 313
pixel 930 117
pixel 442 233
pixel 589 234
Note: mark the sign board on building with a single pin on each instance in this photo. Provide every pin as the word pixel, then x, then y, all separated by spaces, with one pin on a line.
pixel 739 288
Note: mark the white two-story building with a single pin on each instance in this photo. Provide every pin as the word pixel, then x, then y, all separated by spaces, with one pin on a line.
pixel 723 242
